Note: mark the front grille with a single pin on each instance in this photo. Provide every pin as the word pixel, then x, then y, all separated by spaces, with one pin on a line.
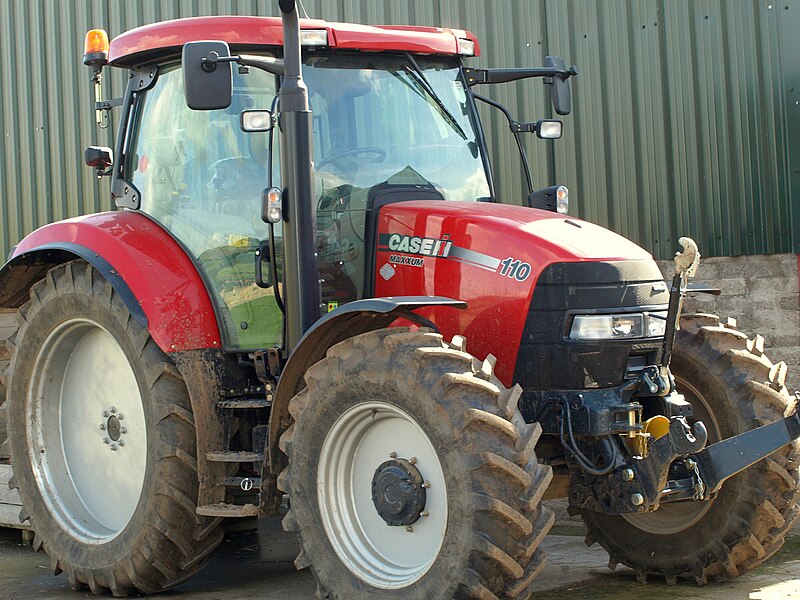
pixel 547 360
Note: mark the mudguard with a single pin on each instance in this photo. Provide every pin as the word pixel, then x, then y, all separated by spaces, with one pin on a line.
pixel 348 320
pixel 146 266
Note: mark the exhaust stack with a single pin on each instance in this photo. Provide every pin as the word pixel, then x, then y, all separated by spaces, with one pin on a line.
pixel 301 275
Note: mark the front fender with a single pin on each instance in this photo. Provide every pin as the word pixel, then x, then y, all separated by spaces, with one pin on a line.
pixel 146 266
pixel 349 320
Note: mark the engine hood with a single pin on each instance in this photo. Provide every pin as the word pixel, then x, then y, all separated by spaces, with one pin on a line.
pixel 491 256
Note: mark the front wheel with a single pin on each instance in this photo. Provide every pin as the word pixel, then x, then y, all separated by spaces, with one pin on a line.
pixel 103 441
pixel 412 475
pixel 733 388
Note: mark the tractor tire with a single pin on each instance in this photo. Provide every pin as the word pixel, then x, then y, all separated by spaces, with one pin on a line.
pixel 404 400
pixel 103 440
pixel 733 388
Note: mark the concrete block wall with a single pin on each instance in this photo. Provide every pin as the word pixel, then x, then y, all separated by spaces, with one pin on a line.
pixel 762 293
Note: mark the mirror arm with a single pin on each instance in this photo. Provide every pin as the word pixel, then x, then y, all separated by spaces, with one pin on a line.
pixel 515 128
pixel 476 76
pixel 265 63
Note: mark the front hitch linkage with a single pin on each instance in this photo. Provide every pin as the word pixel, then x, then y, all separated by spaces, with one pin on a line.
pixel 678 465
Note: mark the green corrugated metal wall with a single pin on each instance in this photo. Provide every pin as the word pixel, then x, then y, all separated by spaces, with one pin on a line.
pixel 686 113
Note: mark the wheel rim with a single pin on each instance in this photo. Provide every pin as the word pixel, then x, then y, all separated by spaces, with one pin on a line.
pixel 363 438
pixel 674 517
pixel 86 427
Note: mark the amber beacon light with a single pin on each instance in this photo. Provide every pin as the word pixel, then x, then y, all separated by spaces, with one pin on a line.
pixel 95 48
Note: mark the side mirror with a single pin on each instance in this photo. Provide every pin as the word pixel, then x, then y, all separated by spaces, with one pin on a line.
pixel 207 75
pixel 559 88
pixel 99 158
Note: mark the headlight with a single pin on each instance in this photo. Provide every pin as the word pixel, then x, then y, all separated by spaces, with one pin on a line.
pixel 618 327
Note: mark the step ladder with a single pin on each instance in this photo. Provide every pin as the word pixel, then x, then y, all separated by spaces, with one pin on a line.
pixel 227 408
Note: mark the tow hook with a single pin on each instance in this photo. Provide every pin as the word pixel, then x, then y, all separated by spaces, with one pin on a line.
pixel 639 485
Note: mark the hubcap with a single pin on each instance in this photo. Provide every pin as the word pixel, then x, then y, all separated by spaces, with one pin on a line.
pixel 386 519
pixel 90 485
pixel 397 492
pixel 674 517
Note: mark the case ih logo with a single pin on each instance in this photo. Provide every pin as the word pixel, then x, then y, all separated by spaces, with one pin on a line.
pixel 440 248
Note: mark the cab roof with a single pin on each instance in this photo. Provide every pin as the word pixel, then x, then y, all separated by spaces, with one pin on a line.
pixel 146 43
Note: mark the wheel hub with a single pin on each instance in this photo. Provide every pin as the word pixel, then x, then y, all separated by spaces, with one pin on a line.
pixel 113 428
pixel 398 493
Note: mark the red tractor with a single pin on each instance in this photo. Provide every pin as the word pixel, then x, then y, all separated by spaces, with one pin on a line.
pixel 267 316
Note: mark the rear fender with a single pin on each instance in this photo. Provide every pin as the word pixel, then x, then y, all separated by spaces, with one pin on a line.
pixel 23 270
pixel 148 269
pixel 349 320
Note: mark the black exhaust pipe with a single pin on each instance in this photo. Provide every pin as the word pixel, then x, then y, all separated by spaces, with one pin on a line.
pixel 300 271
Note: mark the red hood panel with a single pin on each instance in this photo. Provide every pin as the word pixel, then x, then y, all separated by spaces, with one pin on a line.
pixel 488 255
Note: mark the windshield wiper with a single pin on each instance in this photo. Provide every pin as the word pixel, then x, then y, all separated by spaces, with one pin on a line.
pixel 422 81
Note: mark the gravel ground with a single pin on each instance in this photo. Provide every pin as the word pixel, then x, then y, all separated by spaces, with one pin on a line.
pixel 257 565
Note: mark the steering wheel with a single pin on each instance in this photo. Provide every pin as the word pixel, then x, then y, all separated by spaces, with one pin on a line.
pixel 369 153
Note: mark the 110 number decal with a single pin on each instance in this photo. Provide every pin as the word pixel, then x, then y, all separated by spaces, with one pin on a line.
pixel 514 269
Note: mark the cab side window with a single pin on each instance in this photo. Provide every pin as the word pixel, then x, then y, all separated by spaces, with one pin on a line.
pixel 201 177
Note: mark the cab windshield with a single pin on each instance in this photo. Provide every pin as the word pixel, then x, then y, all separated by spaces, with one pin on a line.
pixel 394 119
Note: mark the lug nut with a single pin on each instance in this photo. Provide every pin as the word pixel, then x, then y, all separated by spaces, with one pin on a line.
pixel 120 416
pixel 409 529
pixel 121 443
pixel 628 475
pixel 424 513
pixel 105 413
pixel 392 454
pixel 102 426
pixel 113 409
pixel 106 441
pixel 413 460
pixel 113 447
pixel 123 430
pixel 426 484
pixel 637 499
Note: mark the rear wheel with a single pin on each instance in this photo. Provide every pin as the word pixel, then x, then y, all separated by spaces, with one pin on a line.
pixel 733 388
pixel 412 475
pixel 103 440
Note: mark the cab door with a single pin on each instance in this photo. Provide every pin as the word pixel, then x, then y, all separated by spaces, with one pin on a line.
pixel 201 177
